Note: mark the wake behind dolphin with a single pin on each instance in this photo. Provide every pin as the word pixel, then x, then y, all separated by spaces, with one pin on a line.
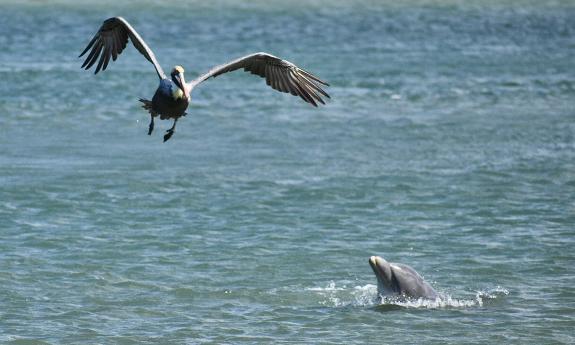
pixel 399 280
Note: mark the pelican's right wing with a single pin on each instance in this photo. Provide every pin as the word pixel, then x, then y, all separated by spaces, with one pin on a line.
pixel 112 38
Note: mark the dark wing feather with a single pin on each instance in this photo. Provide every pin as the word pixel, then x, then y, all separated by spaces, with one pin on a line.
pixel 280 74
pixel 110 41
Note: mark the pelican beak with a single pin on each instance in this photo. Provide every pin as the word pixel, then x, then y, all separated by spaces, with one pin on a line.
pixel 180 82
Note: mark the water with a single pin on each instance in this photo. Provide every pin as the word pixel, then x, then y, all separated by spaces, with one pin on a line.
pixel 448 145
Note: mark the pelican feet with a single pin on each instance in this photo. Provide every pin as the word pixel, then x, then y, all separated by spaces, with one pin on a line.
pixel 151 127
pixel 168 134
pixel 170 131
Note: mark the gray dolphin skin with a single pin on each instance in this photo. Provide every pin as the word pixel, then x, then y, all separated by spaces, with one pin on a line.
pixel 399 279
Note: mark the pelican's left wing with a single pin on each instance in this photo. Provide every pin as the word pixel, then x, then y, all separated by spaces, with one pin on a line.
pixel 280 74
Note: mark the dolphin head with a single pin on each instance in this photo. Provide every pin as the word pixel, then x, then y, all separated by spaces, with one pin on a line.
pixel 385 279
pixel 399 279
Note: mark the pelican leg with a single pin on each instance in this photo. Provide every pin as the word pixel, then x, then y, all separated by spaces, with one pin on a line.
pixel 151 127
pixel 170 131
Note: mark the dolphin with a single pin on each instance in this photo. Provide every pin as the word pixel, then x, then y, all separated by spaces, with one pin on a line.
pixel 399 279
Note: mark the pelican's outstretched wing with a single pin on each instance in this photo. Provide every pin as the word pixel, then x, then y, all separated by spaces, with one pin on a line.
pixel 112 38
pixel 280 74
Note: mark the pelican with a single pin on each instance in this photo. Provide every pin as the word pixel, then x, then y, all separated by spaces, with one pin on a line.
pixel 173 95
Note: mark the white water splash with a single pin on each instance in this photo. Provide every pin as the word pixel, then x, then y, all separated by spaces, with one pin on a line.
pixel 339 296
pixel 344 295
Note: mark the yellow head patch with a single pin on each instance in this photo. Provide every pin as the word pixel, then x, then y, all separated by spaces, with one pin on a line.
pixel 178 69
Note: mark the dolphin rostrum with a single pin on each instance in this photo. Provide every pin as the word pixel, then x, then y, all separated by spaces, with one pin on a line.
pixel 399 279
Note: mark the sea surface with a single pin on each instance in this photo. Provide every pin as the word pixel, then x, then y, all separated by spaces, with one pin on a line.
pixel 448 144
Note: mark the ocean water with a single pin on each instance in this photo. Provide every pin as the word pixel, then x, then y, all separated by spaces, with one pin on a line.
pixel 448 144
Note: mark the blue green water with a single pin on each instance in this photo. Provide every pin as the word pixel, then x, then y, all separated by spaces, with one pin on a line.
pixel 448 145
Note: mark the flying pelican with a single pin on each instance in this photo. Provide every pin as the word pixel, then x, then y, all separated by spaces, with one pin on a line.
pixel 173 94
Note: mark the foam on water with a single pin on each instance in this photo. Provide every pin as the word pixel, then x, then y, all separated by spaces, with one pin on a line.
pixel 366 295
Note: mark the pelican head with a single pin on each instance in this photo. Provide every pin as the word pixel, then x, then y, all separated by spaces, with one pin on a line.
pixel 178 79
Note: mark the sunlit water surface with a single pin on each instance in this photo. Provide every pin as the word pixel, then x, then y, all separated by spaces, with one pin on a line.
pixel 448 145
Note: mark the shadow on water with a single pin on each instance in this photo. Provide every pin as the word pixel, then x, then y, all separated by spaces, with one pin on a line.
pixel 384 308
